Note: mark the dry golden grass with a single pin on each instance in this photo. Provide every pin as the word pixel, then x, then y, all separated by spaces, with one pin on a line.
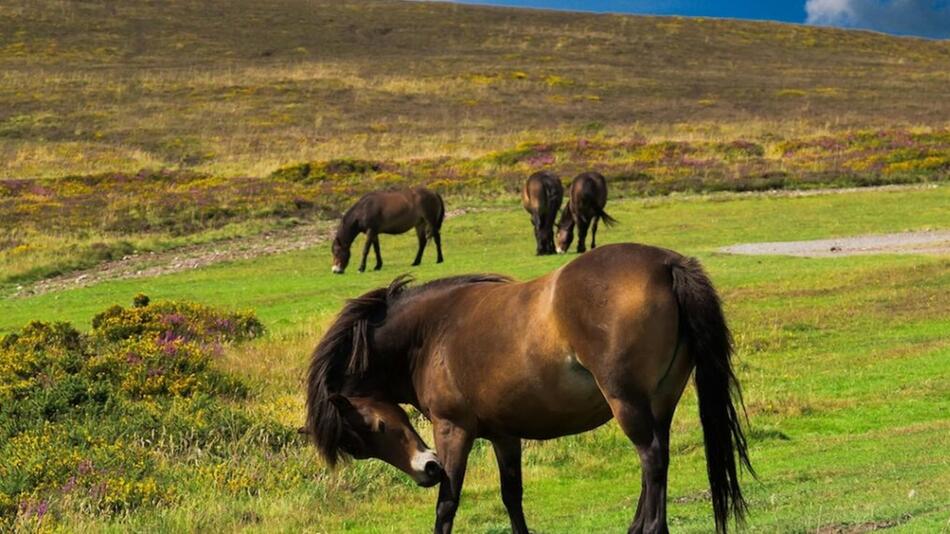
pixel 242 87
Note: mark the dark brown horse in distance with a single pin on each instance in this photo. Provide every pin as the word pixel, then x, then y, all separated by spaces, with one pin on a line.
pixel 587 197
pixel 615 333
pixel 541 197
pixel 389 212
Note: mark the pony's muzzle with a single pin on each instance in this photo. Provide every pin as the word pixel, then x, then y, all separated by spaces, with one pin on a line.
pixel 433 475
pixel 336 269
pixel 428 469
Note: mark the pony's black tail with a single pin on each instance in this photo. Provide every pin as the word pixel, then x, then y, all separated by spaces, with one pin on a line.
pixel 440 218
pixel 608 220
pixel 554 196
pixel 710 345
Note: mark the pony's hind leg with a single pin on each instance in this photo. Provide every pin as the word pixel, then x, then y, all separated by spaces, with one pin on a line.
pixel 379 257
pixel 652 440
pixel 582 235
pixel 421 235
pixel 593 233
pixel 437 237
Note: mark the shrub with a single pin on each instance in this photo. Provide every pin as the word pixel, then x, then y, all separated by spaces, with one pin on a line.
pixel 98 422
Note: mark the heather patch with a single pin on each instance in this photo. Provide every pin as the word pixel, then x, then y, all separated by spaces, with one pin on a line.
pixel 68 224
pixel 112 420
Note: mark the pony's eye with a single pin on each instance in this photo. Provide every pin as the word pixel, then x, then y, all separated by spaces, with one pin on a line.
pixel 381 427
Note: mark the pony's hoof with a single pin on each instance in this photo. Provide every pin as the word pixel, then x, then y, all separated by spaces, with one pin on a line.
pixel 378 267
pixel 438 260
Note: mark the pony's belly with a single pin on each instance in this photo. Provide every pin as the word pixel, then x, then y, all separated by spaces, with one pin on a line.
pixel 561 398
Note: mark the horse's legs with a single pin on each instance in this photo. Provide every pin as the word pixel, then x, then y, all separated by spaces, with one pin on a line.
pixel 452 444
pixel 370 237
pixel 652 439
pixel 508 454
pixel 437 236
pixel 421 235
pixel 379 257
pixel 593 233
pixel 582 235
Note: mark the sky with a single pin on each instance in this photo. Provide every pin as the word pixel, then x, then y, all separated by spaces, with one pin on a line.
pixel 921 18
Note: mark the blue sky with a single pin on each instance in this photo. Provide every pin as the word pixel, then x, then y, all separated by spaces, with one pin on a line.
pixel 923 18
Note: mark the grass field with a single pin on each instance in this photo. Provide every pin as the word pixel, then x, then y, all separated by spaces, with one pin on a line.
pixel 844 362
pixel 138 126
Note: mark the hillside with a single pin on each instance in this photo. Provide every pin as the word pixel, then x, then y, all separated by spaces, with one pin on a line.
pixel 243 87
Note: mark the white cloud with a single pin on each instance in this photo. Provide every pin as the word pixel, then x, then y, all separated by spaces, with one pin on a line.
pixel 928 18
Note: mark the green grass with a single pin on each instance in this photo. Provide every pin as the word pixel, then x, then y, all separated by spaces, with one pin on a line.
pixel 845 364
pixel 57 225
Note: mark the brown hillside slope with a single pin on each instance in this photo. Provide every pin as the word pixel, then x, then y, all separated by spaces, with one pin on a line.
pixel 241 87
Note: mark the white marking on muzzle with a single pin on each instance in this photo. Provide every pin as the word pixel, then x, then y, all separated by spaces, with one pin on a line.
pixel 559 250
pixel 336 269
pixel 421 458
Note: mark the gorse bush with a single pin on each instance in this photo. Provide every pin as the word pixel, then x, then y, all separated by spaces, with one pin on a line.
pixel 175 321
pixel 106 421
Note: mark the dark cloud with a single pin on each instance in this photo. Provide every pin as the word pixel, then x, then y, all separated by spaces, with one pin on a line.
pixel 926 18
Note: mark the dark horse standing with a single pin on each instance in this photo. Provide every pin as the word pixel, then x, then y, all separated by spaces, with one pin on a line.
pixel 587 197
pixel 541 197
pixel 615 333
pixel 389 212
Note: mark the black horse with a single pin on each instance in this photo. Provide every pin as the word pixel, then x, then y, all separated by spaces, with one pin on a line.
pixel 389 212
pixel 541 197
pixel 585 205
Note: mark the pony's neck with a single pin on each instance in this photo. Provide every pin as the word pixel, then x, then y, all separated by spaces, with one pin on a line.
pixel 400 343
pixel 349 229
pixel 567 219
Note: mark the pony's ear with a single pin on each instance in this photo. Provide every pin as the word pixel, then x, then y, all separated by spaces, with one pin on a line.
pixel 342 403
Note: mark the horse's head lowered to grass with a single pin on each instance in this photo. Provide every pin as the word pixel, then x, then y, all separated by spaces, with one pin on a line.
pixel 347 415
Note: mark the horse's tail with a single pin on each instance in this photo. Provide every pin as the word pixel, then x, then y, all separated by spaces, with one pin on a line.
pixel 710 345
pixel 553 198
pixel 440 217
pixel 608 220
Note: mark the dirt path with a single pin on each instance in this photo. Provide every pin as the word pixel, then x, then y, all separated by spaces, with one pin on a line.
pixel 926 242
pixel 184 258
pixel 195 256
pixel 310 235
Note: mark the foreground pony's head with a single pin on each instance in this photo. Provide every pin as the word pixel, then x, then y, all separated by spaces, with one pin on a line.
pixel 354 424
pixel 349 413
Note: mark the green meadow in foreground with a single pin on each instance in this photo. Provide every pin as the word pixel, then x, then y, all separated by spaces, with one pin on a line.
pixel 845 364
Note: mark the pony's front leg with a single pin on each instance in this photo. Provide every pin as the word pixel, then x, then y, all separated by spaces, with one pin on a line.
pixel 370 237
pixel 508 454
pixel 452 444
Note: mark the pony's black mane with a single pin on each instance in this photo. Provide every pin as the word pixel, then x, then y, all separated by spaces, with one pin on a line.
pixel 344 354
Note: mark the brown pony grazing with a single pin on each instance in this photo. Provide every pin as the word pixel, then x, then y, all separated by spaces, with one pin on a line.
pixel 615 333
pixel 586 201
pixel 389 212
pixel 541 197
